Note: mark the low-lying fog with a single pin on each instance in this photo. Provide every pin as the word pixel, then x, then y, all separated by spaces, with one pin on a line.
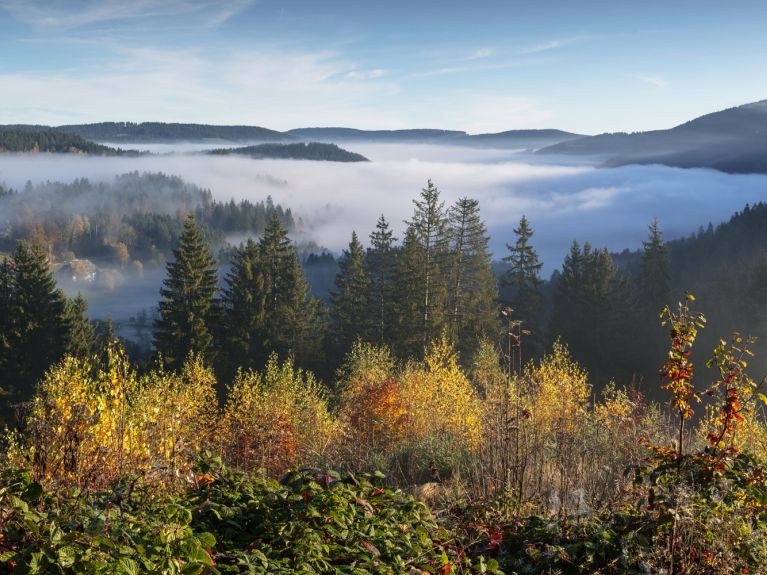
pixel 609 207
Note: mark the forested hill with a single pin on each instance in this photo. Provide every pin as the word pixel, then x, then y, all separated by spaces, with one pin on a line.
pixel 161 131
pixel 33 139
pixel 726 268
pixel 731 140
pixel 512 139
pixel 300 151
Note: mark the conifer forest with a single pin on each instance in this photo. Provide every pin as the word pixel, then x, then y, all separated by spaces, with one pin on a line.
pixel 415 289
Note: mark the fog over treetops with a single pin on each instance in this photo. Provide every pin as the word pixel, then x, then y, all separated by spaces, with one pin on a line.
pixel 564 200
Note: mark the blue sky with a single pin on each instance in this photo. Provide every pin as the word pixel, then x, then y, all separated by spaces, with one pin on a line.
pixel 480 66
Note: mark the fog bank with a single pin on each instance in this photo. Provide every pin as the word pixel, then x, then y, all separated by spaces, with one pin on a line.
pixel 609 207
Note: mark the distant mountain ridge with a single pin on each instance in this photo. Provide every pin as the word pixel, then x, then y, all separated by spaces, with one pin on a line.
pixel 162 132
pixel 732 140
pixel 516 139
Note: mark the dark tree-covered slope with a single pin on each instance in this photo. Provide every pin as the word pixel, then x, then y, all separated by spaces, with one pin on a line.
pixel 299 151
pixel 21 139
pixel 162 131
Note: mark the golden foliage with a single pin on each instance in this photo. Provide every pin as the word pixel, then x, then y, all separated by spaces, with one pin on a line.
pixel 89 424
pixel 277 419
pixel 439 399
pixel 372 411
pixel 559 391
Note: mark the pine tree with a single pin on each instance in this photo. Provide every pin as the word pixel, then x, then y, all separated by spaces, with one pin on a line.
pixel 35 327
pixel 524 279
pixel 187 309
pixel 349 300
pixel 473 297
pixel 242 336
pixel 294 323
pixel 380 263
pixel 421 278
pixel 81 337
pixel 654 277
pixel 591 310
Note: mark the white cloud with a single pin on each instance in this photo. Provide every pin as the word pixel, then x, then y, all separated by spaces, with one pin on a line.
pixel 655 81
pixel 57 14
pixel 481 53
pixel 365 74
pixel 551 45
pixel 279 89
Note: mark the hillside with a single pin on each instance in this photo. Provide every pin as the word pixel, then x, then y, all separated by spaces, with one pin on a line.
pixel 355 135
pixel 528 139
pixel 162 132
pixel 36 139
pixel 731 140
pixel 301 151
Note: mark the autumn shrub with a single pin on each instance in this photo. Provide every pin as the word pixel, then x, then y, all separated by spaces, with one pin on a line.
pixel 372 412
pixel 276 420
pixel 93 422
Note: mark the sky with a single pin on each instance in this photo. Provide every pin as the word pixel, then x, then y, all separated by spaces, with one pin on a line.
pixel 480 66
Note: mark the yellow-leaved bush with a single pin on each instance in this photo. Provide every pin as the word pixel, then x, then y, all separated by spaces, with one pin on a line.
pixel 277 419
pixel 372 411
pixel 90 423
pixel 439 399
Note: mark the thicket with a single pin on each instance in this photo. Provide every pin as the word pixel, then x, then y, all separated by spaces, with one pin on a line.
pixel 523 467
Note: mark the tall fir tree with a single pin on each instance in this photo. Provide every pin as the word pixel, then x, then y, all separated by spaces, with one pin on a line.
pixel 81 337
pixel 592 310
pixel 473 297
pixel 421 274
pixel 524 279
pixel 653 292
pixel 654 276
pixel 242 337
pixel 349 300
pixel 35 326
pixel 294 323
pixel 188 308
pixel 380 263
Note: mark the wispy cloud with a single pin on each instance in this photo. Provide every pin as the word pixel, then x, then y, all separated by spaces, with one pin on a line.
pixel 655 81
pixel 479 54
pixel 551 45
pixel 468 67
pixel 66 15
pixel 278 88
pixel 365 74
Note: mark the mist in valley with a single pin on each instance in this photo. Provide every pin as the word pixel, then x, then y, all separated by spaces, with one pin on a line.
pixel 564 201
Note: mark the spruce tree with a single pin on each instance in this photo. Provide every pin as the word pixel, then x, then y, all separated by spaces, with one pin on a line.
pixel 380 263
pixel 35 327
pixel 592 311
pixel 523 276
pixel 294 323
pixel 473 297
pixel 654 277
pixel 81 336
pixel 187 308
pixel 421 274
pixel 242 335
pixel 349 299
